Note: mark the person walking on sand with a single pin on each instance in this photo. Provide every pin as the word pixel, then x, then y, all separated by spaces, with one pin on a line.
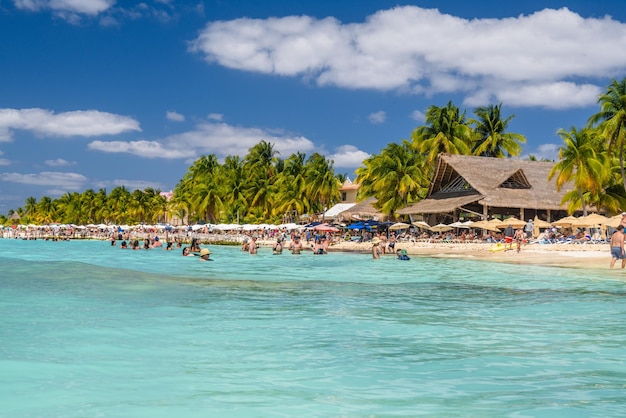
pixel 519 238
pixel 617 246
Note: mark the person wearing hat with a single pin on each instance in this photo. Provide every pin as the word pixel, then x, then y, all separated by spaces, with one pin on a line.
pixel 205 254
pixel 376 251
pixel 402 255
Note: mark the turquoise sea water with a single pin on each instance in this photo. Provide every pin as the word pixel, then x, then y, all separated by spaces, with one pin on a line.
pixel 90 330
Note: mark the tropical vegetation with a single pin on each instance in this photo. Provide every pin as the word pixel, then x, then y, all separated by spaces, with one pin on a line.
pixel 262 187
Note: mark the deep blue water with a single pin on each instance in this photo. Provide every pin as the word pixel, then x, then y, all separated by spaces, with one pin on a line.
pixel 90 330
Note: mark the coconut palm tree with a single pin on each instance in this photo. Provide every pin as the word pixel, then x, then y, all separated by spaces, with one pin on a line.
pixel 446 131
pixel 581 163
pixel 396 177
pixel 611 120
pixel 322 187
pixel 491 138
pixel 291 192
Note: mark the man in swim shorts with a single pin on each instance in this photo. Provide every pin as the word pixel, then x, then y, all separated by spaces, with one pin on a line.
pixel 617 246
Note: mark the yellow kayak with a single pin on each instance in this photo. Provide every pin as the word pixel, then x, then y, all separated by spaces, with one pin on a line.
pixel 498 247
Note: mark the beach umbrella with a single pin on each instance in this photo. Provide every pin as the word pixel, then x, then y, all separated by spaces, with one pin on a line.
pixel 486 225
pixel 591 220
pixel 399 225
pixel 512 221
pixel 441 228
pixel 567 221
pixel 421 224
pixel 468 224
pixel 614 221
pixel 325 228
pixel 540 223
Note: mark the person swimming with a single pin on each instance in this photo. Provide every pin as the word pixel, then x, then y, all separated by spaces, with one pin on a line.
pixel 402 255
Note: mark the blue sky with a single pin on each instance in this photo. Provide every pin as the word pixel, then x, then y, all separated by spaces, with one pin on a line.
pixel 101 93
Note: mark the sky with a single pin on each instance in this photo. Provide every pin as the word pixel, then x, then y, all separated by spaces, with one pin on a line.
pixel 105 93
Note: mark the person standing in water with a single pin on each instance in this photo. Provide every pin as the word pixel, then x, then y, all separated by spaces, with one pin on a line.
pixel 376 251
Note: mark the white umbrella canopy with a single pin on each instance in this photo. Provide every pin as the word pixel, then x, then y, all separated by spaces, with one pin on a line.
pixel 512 221
pixel 567 221
pixel 399 225
pixel 441 228
pixel 614 221
pixel 421 224
pixel 486 225
pixel 591 220
pixel 540 223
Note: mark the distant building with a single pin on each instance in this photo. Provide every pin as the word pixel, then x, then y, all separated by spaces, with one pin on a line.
pixel 469 186
pixel 348 199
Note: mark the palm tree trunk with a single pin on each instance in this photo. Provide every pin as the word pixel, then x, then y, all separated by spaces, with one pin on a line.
pixel 582 201
pixel 621 163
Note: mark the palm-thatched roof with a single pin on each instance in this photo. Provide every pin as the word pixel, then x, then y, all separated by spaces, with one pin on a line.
pixel 495 182
pixel 364 209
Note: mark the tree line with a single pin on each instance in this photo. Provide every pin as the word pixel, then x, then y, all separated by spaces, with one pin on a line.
pixel 261 187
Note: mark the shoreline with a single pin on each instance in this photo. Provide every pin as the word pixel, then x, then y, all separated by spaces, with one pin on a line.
pixel 583 256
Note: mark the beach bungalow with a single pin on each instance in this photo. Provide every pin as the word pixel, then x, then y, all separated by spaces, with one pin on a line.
pixel 481 187
pixel 348 191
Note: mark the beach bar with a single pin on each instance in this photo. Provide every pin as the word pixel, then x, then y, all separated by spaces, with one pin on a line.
pixel 483 187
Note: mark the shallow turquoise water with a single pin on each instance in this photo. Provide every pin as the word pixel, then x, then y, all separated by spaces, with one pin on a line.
pixel 90 330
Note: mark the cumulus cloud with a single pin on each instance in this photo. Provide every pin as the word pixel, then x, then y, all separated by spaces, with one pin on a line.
pixel 215 117
pixel 87 7
pixel 59 162
pixel 348 156
pixel 4 161
pixel 542 59
pixel 65 181
pixel 377 118
pixel 418 115
pixel 76 123
pixel 175 116
pixel 208 138
pixel 547 151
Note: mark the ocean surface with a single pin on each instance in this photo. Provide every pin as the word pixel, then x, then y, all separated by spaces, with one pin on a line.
pixel 90 330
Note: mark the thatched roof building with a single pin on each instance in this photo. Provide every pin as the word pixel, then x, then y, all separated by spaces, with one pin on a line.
pixel 482 186
pixel 363 210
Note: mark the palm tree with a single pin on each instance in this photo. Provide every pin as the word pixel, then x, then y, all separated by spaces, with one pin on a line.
pixel 491 137
pixel 611 120
pixel 30 207
pixel 446 131
pixel 580 163
pixel 322 187
pixel 45 210
pixel 396 177
pixel 259 163
pixel 291 186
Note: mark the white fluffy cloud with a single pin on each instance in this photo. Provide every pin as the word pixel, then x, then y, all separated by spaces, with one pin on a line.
pixel 377 118
pixel 65 181
pixel 88 7
pixel 348 156
pixel 208 138
pixel 542 59
pixel 175 116
pixel 76 123
pixel 418 115
pixel 59 162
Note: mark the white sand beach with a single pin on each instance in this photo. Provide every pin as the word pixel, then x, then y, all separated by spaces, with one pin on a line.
pixel 561 255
